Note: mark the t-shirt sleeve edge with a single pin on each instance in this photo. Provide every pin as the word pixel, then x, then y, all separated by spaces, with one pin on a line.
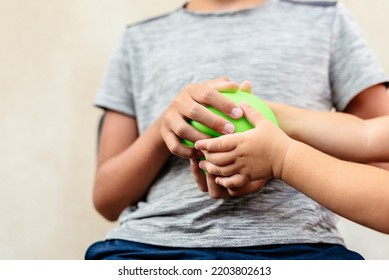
pixel 342 104
pixel 109 104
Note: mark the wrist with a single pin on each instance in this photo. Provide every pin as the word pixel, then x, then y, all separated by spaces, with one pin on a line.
pixel 283 156
pixel 287 116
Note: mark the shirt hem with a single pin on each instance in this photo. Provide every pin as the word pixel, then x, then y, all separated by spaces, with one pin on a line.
pixel 232 243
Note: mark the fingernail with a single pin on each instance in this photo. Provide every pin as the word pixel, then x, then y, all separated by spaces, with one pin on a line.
pixel 237 112
pixel 229 128
pixel 192 162
pixel 197 146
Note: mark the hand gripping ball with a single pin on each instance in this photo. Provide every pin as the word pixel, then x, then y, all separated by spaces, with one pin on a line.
pixel 241 124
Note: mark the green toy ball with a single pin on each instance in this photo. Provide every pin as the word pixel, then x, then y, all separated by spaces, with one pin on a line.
pixel 241 124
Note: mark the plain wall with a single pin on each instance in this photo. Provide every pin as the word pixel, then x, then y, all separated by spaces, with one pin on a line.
pixel 53 54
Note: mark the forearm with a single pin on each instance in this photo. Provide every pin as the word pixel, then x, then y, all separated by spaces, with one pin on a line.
pixel 125 179
pixel 339 134
pixel 355 191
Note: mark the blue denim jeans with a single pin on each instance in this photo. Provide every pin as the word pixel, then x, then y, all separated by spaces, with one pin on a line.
pixel 126 250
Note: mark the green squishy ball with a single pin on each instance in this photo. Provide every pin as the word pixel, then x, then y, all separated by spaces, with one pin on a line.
pixel 241 124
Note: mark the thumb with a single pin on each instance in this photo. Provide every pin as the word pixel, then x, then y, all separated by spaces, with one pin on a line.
pixel 245 87
pixel 251 114
pixel 223 84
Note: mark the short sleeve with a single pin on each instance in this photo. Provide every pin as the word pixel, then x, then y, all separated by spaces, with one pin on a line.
pixel 116 89
pixel 353 66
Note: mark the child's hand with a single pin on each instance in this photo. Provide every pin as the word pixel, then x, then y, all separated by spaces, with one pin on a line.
pixel 190 104
pixel 240 158
pixel 206 183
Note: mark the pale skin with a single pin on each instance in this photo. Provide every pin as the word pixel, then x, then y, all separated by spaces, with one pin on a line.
pixel 370 103
pixel 355 191
pixel 341 135
pixel 175 127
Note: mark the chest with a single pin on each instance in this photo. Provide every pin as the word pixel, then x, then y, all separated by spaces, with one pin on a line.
pixel 284 61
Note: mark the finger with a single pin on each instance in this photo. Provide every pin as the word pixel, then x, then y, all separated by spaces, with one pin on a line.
pixel 204 116
pixel 175 146
pixel 215 191
pixel 245 87
pixel 224 143
pixel 232 182
pixel 211 97
pixel 251 187
pixel 223 84
pixel 251 114
pixel 217 170
pixel 182 129
pixel 175 122
pixel 236 192
pixel 220 159
pixel 198 174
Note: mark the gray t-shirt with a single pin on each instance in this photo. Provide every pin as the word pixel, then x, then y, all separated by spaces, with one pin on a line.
pixel 309 54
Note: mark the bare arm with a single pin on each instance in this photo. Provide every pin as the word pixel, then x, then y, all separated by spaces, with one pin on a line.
pixel 339 134
pixel 372 102
pixel 122 157
pixel 343 135
pixel 355 191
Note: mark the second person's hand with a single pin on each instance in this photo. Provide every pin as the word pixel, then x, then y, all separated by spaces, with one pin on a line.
pixel 238 159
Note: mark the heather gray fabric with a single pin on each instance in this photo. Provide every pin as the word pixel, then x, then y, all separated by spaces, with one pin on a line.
pixel 312 56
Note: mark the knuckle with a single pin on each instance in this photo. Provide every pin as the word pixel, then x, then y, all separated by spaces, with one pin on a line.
pixel 167 120
pixel 175 148
pixel 234 192
pixel 227 170
pixel 223 78
pixel 207 95
pixel 212 169
pixel 220 145
pixel 216 123
pixel 189 87
pixel 228 184
pixel 224 172
pixel 193 111
pixel 180 130
pixel 175 104
pixel 227 103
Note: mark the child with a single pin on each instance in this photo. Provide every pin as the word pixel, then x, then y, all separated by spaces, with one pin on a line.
pixel 304 53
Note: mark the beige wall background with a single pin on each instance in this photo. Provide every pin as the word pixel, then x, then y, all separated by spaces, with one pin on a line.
pixel 53 54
